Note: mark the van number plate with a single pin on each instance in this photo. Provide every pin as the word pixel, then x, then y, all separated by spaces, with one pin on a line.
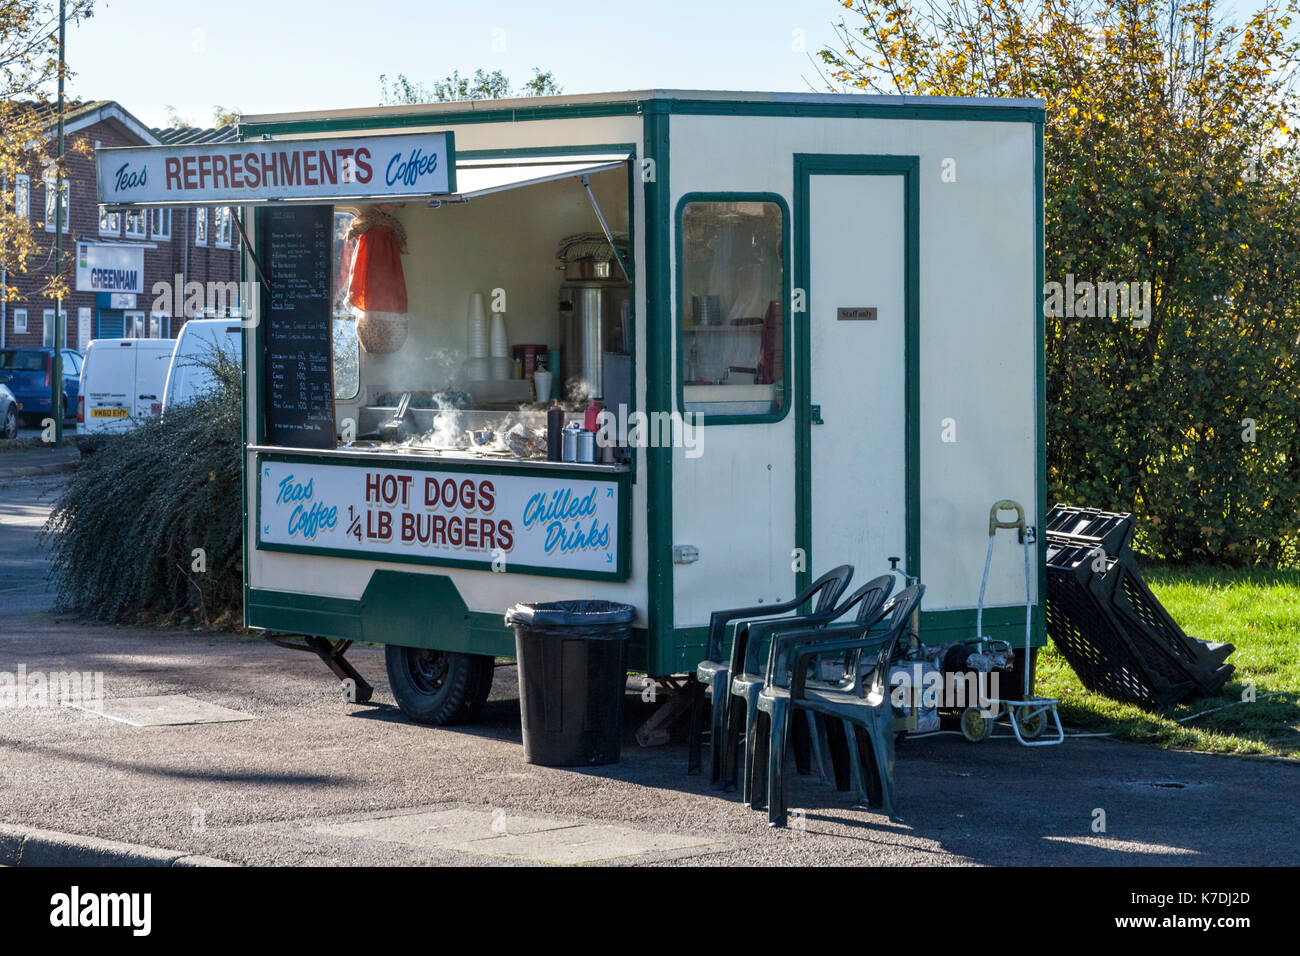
pixel 108 413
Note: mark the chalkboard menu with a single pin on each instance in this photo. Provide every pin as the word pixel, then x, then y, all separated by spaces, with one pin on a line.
pixel 296 244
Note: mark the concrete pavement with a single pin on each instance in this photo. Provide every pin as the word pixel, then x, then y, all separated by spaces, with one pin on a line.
pixel 282 789
pixel 315 779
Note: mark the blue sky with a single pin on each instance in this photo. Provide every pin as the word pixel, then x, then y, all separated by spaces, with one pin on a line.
pixel 274 55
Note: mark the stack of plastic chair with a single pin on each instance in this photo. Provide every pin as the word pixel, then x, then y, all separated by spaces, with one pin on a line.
pixel 714 671
pixel 861 703
pixel 749 649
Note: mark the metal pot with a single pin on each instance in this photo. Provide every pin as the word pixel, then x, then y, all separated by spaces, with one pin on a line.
pixel 590 269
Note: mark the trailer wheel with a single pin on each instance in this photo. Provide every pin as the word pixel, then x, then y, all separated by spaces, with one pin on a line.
pixel 974 725
pixel 436 687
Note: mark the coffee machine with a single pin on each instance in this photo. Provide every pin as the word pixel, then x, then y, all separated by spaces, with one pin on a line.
pixel 595 320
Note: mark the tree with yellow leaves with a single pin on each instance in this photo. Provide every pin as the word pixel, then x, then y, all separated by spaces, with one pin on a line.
pixel 29 69
pixel 1170 158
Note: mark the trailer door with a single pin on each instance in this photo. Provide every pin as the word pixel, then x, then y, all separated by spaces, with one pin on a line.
pixel 858 312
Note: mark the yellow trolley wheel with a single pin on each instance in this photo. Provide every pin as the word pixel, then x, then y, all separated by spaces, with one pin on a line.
pixel 1033 726
pixel 974 725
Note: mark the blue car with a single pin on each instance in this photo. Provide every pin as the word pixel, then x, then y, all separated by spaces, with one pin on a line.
pixel 8 413
pixel 27 372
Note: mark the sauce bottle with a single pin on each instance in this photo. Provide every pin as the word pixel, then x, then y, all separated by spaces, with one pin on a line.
pixel 554 428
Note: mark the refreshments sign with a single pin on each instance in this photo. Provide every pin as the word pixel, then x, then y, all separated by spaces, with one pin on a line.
pixel 503 522
pixel 309 170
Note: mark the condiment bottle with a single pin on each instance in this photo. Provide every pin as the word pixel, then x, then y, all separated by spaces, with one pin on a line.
pixel 591 420
pixel 554 428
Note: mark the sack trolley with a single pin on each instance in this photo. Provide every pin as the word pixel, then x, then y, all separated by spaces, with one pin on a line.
pixel 1029 715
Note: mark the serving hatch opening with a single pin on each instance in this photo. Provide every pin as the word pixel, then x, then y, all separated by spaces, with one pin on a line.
pixel 450 327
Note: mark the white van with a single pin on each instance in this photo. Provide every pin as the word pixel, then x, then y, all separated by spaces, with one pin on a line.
pixel 122 383
pixel 188 378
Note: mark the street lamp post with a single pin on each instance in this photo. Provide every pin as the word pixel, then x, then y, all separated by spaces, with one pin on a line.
pixel 60 324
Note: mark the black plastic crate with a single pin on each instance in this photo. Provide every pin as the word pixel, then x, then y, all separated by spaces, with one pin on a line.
pixel 1110 627
pixel 1111 530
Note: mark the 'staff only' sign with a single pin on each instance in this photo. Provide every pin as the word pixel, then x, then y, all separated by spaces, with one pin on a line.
pixel 501 522
pixel 321 170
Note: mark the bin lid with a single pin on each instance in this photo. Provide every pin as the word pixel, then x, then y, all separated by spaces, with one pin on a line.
pixel 571 614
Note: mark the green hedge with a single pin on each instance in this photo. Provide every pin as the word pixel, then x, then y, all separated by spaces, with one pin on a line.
pixel 1171 161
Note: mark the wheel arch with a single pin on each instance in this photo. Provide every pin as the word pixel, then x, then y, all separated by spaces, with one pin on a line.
pixel 427 611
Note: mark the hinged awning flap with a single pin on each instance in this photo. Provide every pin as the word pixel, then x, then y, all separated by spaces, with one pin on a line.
pixel 479 177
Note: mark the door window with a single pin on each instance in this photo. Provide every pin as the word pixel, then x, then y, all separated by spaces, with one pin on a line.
pixel 731 302
pixel 347 351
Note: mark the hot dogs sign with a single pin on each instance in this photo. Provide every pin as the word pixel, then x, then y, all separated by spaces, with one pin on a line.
pixel 501 522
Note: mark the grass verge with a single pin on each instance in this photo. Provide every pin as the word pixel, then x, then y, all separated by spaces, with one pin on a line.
pixel 1256 610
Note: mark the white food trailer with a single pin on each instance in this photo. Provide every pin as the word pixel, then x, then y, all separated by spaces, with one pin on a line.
pixel 836 299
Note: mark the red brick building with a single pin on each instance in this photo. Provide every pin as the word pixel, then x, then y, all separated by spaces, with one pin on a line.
pixel 200 244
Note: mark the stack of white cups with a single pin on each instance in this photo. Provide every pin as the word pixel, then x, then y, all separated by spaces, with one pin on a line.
pixel 500 365
pixel 476 366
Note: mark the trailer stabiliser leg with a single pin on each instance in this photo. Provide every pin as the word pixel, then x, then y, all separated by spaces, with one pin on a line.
pixel 332 653
pixel 654 732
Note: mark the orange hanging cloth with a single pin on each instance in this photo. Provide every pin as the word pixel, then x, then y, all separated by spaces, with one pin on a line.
pixel 377 283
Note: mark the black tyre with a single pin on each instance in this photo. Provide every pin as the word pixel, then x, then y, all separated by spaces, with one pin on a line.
pixel 436 687
pixel 9 427
pixel 484 670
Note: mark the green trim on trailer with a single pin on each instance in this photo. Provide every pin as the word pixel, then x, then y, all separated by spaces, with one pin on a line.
pixel 316 614
pixel 905 109
pixel 807 165
pixel 630 332
pixel 451 165
pixel 1004 623
pixel 243 417
pixel 1008 617
pixel 585 148
pixel 366 460
pixel 902 110
pixel 399 607
pixel 1040 377
pixel 659 398
pixel 527 114
pixel 679 326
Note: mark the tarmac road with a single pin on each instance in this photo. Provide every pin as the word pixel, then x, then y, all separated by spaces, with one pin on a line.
pixel 263 791
pixel 25 503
